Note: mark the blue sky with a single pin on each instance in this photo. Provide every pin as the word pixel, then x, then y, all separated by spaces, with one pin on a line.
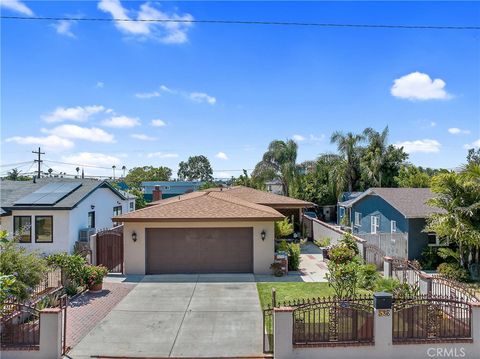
pixel 106 93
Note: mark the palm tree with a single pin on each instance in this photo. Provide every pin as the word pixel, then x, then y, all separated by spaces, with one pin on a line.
pixel 113 169
pixel 50 172
pixel 347 145
pixel 375 156
pixel 124 168
pixel 279 162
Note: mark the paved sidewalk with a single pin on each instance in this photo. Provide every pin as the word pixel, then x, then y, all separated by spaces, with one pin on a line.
pixel 312 267
pixel 88 309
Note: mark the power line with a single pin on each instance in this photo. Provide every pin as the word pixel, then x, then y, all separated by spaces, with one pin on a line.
pixel 15 164
pixel 242 22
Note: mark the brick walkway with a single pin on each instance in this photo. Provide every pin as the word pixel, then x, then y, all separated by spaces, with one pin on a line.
pixel 88 309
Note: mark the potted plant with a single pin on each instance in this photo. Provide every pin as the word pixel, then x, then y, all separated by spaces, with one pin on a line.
pixel 93 277
pixel 276 269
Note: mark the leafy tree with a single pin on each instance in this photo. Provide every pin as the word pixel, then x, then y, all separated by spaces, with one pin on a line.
pixel 247 181
pixel 473 156
pixel 197 168
pixel 283 228
pixel 411 176
pixel 348 148
pixel 279 162
pixel 458 196
pixel 139 200
pixel 14 175
pixel 137 175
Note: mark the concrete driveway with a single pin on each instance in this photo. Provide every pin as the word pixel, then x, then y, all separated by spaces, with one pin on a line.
pixel 181 316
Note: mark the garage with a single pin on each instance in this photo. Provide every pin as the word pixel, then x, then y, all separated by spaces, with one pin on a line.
pixel 199 250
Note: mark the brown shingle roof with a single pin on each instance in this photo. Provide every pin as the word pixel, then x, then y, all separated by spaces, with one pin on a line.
pixel 202 206
pixel 262 197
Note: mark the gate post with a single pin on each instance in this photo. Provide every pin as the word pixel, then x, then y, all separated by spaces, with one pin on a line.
pixel 51 333
pixel 382 322
pixel 425 283
pixel 387 267
pixel 283 332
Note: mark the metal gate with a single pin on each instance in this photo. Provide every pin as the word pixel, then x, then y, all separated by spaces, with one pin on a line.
pixel 110 249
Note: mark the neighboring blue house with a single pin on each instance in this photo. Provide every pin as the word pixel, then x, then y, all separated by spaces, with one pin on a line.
pixel 391 218
pixel 169 188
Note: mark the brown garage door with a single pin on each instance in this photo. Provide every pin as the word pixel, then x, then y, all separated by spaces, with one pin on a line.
pixel 199 250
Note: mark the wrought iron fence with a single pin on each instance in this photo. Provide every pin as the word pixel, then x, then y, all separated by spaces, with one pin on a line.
pixel 334 321
pixel 268 330
pixel 50 282
pixel 431 318
pixel 445 287
pixel 406 271
pixel 22 330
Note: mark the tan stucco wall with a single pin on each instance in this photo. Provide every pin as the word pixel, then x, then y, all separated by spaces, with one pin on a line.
pixel 263 251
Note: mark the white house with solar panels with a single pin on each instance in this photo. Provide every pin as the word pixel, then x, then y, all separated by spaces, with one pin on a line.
pixel 51 214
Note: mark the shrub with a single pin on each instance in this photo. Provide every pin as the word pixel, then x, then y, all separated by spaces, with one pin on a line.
pixel 343 277
pixel 7 285
pixel 324 242
pixel 394 286
pixel 282 247
pixel 430 258
pixel 349 242
pixel 453 271
pixel 28 268
pixel 368 276
pixel 341 254
pixel 276 269
pixel 283 228
pixel 71 265
pixel 94 274
pixel 293 256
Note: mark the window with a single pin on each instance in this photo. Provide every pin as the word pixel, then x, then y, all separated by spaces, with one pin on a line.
pixel 358 219
pixel 393 226
pixel 435 241
pixel 43 229
pixel 131 206
pixel 91 219
pixel 22 227
pixel 117 210
pixel 166 188
pixel 374 224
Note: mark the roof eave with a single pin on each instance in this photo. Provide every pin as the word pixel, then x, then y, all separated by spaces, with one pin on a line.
pixel 227 219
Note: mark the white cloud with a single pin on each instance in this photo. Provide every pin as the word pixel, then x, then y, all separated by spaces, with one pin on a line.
pixel 201 97
pixel 165 32
pixel 64 27
pixel 474 144
pixel 317 138
pixel 198 97
pixel 298 138
pixel 223 175
pixel 458 131
pixel 433 123
pixel 52 142
pixel 158 123
pixel 92 159
pixel 222 156
pixel 142 137
pixel 425 146
pixel 17 6
pixel 147 95
pixel 79 113
pixel 121 122
pixel 162 155
pixel 99 84
pixel 419 86
pixel 93 134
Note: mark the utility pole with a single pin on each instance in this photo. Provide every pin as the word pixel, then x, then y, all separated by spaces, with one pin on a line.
pixel 39 161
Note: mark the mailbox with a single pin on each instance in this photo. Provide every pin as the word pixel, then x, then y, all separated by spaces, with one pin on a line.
pixel 382 300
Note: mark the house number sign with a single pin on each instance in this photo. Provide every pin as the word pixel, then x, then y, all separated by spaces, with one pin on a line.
pixel 384 312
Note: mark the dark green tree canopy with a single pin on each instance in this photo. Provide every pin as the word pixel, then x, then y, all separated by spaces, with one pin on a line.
pixel 197 168
pixel 137 175
pixel 15 175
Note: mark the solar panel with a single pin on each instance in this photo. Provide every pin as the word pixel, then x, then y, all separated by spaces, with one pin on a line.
pixel 49 194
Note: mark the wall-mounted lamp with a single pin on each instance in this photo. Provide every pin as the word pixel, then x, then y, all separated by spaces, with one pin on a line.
pixel 92 206
pixel 134 236
pixel 118 202
pixel 263 234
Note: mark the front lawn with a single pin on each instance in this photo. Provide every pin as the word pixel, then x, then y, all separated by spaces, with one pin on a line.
pixel 295 290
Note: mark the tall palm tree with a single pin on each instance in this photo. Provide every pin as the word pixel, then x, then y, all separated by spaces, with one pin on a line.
pixel 113 169
pixel 347 145
pixel 124 168
pixel 279 162
pixel 375 156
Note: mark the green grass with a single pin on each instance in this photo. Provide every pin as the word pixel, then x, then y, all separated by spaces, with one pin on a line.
pixel 295 290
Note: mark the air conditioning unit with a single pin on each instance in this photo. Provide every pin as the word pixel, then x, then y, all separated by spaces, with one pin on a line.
pixel 85 233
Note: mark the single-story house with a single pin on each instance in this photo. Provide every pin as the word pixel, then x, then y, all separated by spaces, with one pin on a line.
pixel 393 215
pixel 200 232
pixel 51 214
pixel 168 189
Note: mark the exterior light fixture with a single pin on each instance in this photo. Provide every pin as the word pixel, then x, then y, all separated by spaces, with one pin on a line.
pixel 263 234
pixel 92 206
pixel 134 236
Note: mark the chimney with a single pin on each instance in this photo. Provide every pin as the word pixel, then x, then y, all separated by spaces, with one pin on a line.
pixel 157 194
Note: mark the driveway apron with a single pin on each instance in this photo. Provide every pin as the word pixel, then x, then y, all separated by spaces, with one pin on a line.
pixel 181 316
